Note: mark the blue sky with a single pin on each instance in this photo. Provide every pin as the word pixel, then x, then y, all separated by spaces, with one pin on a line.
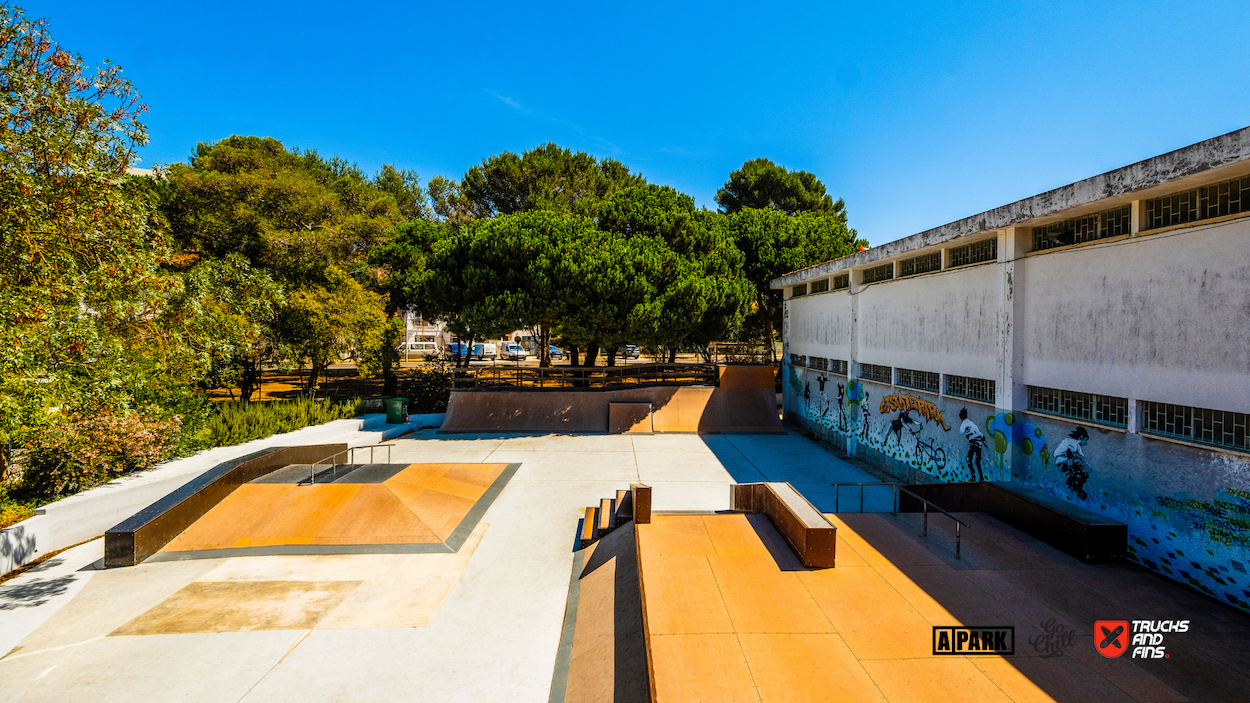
pixel 916 113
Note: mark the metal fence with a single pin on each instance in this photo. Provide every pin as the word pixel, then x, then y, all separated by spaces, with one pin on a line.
pixel 501 377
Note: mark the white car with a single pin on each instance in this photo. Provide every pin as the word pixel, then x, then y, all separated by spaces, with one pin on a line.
pixel 514 352
pixel 483 351
pixel 421 349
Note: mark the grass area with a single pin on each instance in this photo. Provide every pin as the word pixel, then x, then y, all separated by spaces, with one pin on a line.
pixel 236 422
pixel 13 509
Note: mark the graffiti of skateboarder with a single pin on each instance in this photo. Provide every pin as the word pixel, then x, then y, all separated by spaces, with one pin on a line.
pixel 1070 458
pixel 904 419
pixel 976 442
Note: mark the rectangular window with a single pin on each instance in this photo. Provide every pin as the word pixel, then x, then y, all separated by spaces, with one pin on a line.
pixel 1215 427
pixel 880 374
pixel 920 264
pixel 842 282
pixel 970 388
pixel 1202 203
pixel 920 380
pixel 818 364
pixel 837 366
pixel 1100 225
pixel 1080 406
pixel 975 253
pixel 797 360
pixel 879 273
pixel 820 286
pixel 798 290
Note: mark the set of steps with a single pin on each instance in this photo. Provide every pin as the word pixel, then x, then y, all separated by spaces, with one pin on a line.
pixel 633 504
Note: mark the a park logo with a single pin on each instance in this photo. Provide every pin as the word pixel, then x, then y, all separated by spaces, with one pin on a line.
pixel 1111 637
pixel 965 641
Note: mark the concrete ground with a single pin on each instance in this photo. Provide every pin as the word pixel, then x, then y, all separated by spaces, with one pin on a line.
pixel 482 624
pixel 733 615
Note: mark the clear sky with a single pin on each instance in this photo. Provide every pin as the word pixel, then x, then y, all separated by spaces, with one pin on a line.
pixel 916 113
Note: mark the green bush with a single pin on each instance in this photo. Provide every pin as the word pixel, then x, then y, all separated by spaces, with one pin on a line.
pixel 239 422
pixel 427 390
pixel 87 450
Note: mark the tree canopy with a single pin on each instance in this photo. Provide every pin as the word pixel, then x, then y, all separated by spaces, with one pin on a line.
pixel 547 177
pixel 763 185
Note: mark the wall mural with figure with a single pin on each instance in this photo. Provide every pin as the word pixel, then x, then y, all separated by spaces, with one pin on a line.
pixel 1198 535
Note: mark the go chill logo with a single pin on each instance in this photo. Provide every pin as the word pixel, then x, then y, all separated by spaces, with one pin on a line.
pixel 1112 637
pixel 964 641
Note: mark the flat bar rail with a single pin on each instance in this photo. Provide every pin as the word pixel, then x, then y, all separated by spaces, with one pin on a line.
pixel 333 460
pixel 925 503
pixel 503 376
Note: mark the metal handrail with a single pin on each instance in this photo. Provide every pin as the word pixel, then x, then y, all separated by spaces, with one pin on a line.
pixel 351 452
pixel 557 377
pixel 837 495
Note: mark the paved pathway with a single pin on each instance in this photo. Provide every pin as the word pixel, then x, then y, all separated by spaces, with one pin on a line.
pixel 480 625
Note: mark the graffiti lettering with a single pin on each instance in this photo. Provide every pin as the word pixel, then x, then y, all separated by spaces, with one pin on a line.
pixel 927 410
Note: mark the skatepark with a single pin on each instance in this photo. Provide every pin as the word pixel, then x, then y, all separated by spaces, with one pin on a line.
pixel 454 570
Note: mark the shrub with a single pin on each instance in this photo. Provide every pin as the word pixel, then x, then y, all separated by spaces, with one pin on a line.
pixel 88 450
pixel 427 390
pixel 239 422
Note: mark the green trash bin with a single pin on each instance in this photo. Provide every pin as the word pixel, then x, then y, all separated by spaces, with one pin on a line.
pixel 396 411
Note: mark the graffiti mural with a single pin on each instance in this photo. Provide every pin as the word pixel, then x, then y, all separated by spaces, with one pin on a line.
pixel 976 442
pixel 1070 458
pixel 1199 535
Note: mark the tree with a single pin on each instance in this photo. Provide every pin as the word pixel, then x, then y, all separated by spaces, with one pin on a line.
pixel 81 246
pixel 763 185
pixel 700 294
pixel 405 187
pixel 304 220
pixel 546 177
pixel 340 320
pixel 774 244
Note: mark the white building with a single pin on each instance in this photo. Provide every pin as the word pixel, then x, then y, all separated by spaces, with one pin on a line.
pixel 1096 336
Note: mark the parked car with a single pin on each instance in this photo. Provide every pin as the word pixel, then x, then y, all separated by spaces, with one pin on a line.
pixel 555 352
pixel 514 352
pixel 421 349
pixel 628 351
pixel 483 351
pixel 456 349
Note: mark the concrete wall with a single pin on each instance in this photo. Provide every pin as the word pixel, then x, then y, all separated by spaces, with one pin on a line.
pixel 1159 317
pixel 820 325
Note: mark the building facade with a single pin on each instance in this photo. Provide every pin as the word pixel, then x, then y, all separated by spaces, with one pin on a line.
pixel 1092 341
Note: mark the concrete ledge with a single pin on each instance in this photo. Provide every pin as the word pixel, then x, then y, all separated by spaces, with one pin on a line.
pixel 810 534
pixel 1084 534
pixel 144 533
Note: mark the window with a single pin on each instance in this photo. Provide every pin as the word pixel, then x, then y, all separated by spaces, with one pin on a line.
pixel 1215 427
pixel 1080 406
pixel 920 380
pixel 1227 198
pixel 880 374
pixel 975 253
pixel 842 282
pixel 798 290
pixel 879 273
pixel 921 264
pixel 798 360
pixel 820 286
pixel 818 364
pixel 1108 223
pixel 970 388
pixel 837 366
